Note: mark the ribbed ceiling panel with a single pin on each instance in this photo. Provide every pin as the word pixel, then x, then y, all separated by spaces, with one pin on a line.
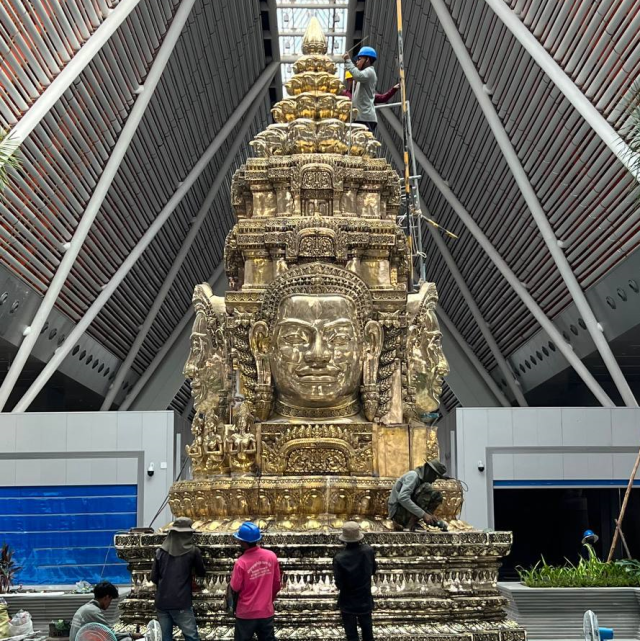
pixel 218 58
pixel 582 187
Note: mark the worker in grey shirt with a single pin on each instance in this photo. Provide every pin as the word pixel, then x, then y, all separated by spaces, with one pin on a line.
pixel 365 79
pixel 93 612
pixel 413 496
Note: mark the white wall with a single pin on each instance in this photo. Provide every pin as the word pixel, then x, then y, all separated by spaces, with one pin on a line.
pixel 92 448
pixel 541 444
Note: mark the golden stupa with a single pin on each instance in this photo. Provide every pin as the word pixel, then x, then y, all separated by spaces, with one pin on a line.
pixel 313 379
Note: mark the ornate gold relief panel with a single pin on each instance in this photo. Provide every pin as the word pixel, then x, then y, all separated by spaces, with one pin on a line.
pixel 317 449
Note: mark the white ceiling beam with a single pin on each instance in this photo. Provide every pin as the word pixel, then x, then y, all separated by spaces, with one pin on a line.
pixel 41 107
pixel 565 84
pixel 505 270
pixel 160 360
pixel 110 287
pixel 81 232
pixel 514 386
pixel 528 193
pixel 450 327
pixel 176 265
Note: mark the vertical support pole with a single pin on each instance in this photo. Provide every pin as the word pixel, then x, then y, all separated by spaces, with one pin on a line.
pixel 546 231
pixel 93 207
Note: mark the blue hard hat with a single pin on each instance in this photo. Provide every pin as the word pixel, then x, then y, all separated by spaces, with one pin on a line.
pixel 369 52
pixel 590 536
pixel 248 532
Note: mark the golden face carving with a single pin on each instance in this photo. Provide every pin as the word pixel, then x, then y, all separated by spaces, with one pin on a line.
pixel 316 345
pixel 427 363
pixel 206 364
pixel 314 356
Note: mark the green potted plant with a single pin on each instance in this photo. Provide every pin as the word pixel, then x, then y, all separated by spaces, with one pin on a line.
pixel 557 596
pixel 8 569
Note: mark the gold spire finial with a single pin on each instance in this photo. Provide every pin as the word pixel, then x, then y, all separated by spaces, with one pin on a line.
pixel 314 40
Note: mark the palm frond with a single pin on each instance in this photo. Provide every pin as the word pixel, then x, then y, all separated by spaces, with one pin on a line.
pixel 9 157
pixel 631 126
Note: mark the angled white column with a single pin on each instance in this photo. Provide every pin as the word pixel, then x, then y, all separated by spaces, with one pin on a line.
pixel 174 363
pixel 473 359
pixel 71 71
pixel 93 206
pixel 511 157
pixel 146 239
pixel 505 270
pixel 176 265
pixel 565 84
pixel 462 286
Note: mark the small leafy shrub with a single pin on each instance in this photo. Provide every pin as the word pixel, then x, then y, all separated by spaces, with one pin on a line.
pixel 588 573
pixel 8 569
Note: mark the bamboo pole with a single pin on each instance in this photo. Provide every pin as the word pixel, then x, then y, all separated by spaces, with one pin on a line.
pixel 623 509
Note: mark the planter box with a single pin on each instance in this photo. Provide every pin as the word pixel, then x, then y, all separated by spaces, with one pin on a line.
pixel 556 613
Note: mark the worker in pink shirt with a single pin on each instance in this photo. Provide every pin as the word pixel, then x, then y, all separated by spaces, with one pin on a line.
pixel 256 581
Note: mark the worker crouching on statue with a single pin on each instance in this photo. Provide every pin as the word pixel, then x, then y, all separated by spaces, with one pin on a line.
pixel 414 497
pixel 256 581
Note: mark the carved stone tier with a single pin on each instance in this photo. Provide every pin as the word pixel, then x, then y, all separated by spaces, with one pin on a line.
pixel 293 502
pixel 429 586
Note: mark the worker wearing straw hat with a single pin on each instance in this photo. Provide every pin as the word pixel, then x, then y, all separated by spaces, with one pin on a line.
pixel 177 560
pixel 353 568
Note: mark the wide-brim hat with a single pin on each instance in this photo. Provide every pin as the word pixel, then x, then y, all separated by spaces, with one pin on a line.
pixel 439 468
pixel 182 524
pixel 351 532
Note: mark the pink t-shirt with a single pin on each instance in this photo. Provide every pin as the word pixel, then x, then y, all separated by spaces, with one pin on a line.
pixel 256 576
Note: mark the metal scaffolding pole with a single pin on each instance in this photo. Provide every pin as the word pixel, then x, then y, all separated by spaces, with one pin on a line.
pixel 511 157
pixel 166 348
pixel 475 361
pixel 462 286
pixel 505 270
pixel 176 265
pixel 32 332
pixel 71 71
pixel 565 84
pixel 146 239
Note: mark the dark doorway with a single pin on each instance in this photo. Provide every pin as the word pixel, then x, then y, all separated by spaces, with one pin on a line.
pixel 549 523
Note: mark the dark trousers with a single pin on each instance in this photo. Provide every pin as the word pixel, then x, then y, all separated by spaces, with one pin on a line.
pixel 246 628
pixel 372 125
pixel 351 622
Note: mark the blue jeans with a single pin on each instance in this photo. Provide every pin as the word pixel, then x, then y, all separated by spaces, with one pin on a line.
pixel 184 619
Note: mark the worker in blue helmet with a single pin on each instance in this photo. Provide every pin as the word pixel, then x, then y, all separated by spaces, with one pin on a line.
pixel 364 80
pixel 256 582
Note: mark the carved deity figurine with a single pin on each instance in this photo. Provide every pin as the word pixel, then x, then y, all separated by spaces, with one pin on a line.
pixel 317 342
pixel 241 442
pixel 207 367
pixel 427 365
